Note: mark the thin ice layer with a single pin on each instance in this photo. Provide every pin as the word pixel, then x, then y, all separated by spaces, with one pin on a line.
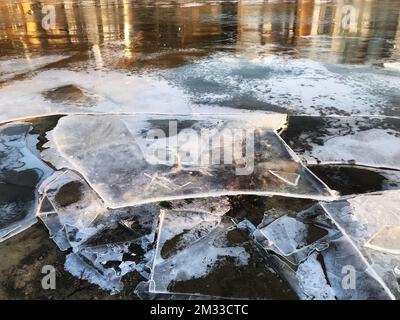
pixel 130 160
pixel 386 240
pixel 209 255
pixel 11 67
pixel 364 141
pixel 255 80
pixel 349 275
pixel 110 244
pixel 362 219
pixel 21 174
pixel 317 269
pixel 177 231
pixel 294 236
pixel 313 281
pixel 112 91
pixel 123 241
pixel 286 234
pixel 107 244
pixel 187 248
pixel 75 206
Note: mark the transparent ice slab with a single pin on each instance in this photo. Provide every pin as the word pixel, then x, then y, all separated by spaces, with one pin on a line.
pixel 177 230
pixel 125 167
pixel 368 141
pixel 210 255
pixel 364 219
pixel 294 236
pixel 288 237
pixel 349 275
pixel 386 240
pixel 69 208
pixel 109 244
pixel 21 174
pixel 317 254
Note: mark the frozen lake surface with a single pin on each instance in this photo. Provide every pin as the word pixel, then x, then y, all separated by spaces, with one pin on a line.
pixel 312 97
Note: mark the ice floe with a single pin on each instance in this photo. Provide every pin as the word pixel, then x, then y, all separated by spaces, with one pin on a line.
pixel 315 249
pixel 129 160
pixel 190 258
pixel 353 179
pixel 313 281
pixel 21 174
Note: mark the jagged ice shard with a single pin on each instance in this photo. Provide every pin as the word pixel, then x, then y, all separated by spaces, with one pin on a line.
pixel 21 173
pixel 372 223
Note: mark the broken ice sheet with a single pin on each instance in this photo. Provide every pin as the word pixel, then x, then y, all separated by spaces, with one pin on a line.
pixel 122 243
pixel 21 174
pixel 288 236
pixel 342 259
pixel 207 254
pixel 368 141
pixel 106 265
pixel 363 218
pixel 107 244
pixel 312 279
pixel 317 255
pixel 75 207
pixel 126 167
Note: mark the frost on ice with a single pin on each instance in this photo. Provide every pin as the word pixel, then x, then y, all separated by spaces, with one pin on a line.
pixel 12 67
pixel 255 80
pixel 67 91
pixel 21 173
pixel 367 141
pixel 126 167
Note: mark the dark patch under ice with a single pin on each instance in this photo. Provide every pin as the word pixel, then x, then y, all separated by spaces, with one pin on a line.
pixel 21 174
pixel 368 141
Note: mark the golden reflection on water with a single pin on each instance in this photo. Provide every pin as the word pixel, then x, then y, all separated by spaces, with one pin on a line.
pixel 306 27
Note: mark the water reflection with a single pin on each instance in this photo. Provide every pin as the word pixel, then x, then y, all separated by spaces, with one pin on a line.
pixel 305 28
